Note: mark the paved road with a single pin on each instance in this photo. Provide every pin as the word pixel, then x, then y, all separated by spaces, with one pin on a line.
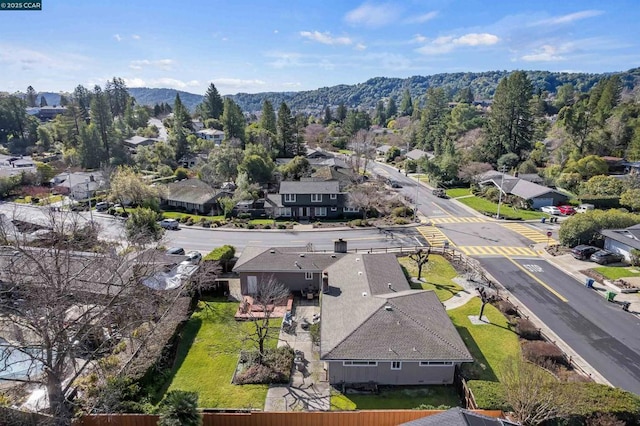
pixel 604 335
pixel 163 134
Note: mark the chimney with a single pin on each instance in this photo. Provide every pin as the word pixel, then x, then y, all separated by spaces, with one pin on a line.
pixel 325 282
pixel 340 246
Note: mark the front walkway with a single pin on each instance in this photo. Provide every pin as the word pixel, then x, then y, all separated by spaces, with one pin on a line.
pixel 308 389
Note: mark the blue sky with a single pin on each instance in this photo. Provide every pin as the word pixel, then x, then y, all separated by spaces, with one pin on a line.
pixel 289 45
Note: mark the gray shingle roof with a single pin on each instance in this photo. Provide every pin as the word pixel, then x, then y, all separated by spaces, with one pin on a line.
pixel 628 237
pixel 306 187
pixel 284 259
pixel 191 191
pixel 458 417
pixel 364 319
pixel 516 186
pixel 416 154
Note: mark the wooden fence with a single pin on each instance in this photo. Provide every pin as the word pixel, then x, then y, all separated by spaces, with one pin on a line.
pixel 260 418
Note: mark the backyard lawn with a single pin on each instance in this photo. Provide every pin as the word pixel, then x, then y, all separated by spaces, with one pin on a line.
pixel 399 398
pixel 490 344
pixel 208 354
pixel 483 205
pixel 458 192
pixel 616 272
pixel 437 273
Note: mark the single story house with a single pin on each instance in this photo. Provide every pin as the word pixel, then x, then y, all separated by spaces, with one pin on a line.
pixel 622 241
pixel 14 165
pixel 47 113
pixel 193 195
pixel 418 154
pixel 375 328
pixel 383 149
pixel 457 416
pixel 138 141
pixel 215 135
pixel 537 195
pixel 78 185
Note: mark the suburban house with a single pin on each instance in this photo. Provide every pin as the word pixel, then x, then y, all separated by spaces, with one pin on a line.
pixel 14 165
pixel 622 241
pixel 310 200
pixel 78 185
pixel 537 195
pixel 318 153
pixel 193 195
pixel 382 150
pixel 137 141
pixel 418 154
pixel 217 136
pixel 375 328
pixel 457 416
pixel 47 113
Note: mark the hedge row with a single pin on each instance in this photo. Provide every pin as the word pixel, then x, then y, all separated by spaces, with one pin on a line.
pixel 225 252
pixel 589 399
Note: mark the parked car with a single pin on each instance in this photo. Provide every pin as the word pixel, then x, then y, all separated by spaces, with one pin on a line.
pixel 583 252
pixel 550 210
pixel 439 192
pixel 395 184
pixel 567 210
pixel 194 257
pixel 102 206
pixel 604 257
pixel 583 208
pixel 175 250
pixel 169 224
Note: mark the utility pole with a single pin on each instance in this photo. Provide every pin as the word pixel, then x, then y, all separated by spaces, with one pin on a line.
pixel 415 210
pixel 503 170
pixel 87 182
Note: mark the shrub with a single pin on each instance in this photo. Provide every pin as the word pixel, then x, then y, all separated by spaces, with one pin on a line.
pixel 225 252
pixel 400 221
pixel 250 226
pixel 584 228
pixel 244 216
pixel 489 395
pixel 355 222
pixel 541 352
pixel 527 329
pixel 506 308
pixel 275 367
pixel 402 211
pixel 282 226
pixel 180 408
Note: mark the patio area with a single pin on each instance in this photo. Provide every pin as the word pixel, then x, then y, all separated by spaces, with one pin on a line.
pixel 248 309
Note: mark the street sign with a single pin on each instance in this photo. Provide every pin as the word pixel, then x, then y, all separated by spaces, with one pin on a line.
pixel 549 233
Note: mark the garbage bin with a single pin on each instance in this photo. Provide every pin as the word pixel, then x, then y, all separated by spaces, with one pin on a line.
pixel 610 295
pixel 589 283
pixel 543 220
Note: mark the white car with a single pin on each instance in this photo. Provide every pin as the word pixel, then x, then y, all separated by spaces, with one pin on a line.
pixel 550 210
pixel 169 224
pixel 194 257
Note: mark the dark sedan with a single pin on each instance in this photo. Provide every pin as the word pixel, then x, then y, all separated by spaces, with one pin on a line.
pixel 583 252
pixel 604 257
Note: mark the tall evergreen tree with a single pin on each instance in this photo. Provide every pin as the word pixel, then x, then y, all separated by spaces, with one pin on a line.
pixel 406 105
pixel 181 116
pixel 118 96
pixel 285 130
pixel 341 113
pixel 380 117
pixel 212 105
pixel 31 97
pixel 392 108
pixel 433 122
pixel 268 117
pixel 510 126
pixel 91 153
pixel 233 121
pixel 101 117
pixel 82 97
pixel 327 116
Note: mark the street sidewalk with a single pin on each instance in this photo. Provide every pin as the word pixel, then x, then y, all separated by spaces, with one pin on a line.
pixel 573 267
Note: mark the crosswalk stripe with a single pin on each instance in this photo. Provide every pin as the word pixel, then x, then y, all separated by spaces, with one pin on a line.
pixel 433 235
pixel 529 233
pixel 443 220
pixel 497 251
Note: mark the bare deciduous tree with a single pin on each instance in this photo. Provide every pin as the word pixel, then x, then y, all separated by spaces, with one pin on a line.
pixel 364 151
pixel 365 197
pixel 421 257
pixel 61 310
pixel 270 293
pixel 533 393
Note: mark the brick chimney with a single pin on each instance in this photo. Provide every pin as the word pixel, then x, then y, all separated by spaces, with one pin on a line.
pixel 340 246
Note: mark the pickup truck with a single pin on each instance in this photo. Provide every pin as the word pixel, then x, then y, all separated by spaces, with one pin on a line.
pixel 439 192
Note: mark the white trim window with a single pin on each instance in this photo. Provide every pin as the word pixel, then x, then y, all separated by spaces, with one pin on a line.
pixel 285 211
pixel 396 365
pixel 320 211
pixel 316 198
pixel 351 210
pixel 359 363
pixel 333 196
pixel 308 275
pixel 289 198
pixel 435 363
pixel 334 209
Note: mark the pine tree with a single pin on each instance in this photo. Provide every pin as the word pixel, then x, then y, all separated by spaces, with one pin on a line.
pixel 327 116
pixel 101 117
pixel 285 130
pixel 233 121
pixel 341 113
pixel 392 109
pixel 268 117
pixel 31 97
pixel 212 105
pixel 181 116
pixel 406 106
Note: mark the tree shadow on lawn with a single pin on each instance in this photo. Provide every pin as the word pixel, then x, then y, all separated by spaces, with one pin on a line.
pixel 451 288
pixel 480 369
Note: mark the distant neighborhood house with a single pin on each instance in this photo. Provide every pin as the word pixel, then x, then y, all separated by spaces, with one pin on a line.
pixel 193 195
pixel 137 141
pixel 537 195
pixel 11 165
pixel 217 136
pixel 78 185
pixel 622 241
pixel 309 200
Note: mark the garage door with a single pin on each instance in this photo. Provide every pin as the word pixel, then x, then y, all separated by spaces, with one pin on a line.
pixel 541 202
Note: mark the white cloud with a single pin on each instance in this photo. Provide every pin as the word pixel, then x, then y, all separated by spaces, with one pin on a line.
pixel 549 53
pixel 276 31
pixel 135 37
pixel 445 44
pixel 173 83
pixel 27 59
pixel 284 59
pixel 325 38
pixel 117 37
pixel 163 64
pixel 372 15
pixel 360 46
pixel 135 82
pixel 237 82
pixel 572 17
pixel 418 38
pixel 421 19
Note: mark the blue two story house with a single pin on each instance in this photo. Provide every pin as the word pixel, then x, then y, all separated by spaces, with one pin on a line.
pixel 310 200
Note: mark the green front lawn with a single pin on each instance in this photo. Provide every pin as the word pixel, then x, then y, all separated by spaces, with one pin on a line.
pixel 617 272
pixel 483 205
pixel 438 274
pixel 490 344
pixel 269 222
pixel 396 398
pixel 207 357
pixel 458 192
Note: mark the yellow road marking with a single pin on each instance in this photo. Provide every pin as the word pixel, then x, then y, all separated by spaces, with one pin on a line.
pixel 529 233
pixel 538 280
pixel 440 220
pixel 497 250
pixel 433 235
